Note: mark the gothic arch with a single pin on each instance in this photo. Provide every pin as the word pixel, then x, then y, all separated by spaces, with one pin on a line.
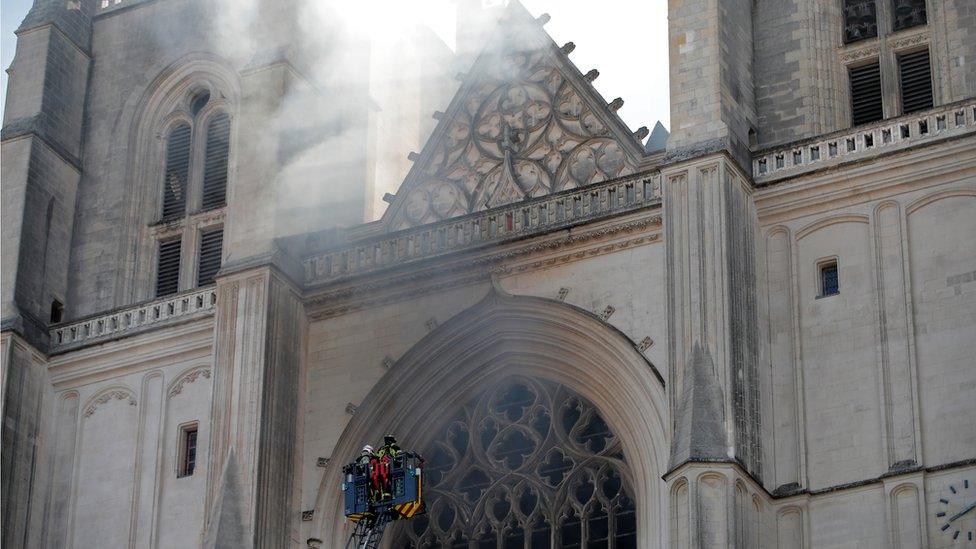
pixel 502 336
pixel 115 392
pixel 828 221
pixel 936 196
pixel 164 101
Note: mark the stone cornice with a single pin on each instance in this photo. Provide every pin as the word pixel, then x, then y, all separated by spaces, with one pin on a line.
pixel 527 255
pixel 132 320
pixel 911 169
pixel 492 227
pixel 28 127
pixel 192 340
pixel 806 492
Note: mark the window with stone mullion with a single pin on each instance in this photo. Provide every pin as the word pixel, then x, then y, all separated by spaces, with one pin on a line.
pixel 215 162
pixel 177 174
pixel 860 20
pixel 908 13
pixel 526 463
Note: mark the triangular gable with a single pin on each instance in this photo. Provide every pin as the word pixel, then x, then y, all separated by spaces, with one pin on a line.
pixel 524 123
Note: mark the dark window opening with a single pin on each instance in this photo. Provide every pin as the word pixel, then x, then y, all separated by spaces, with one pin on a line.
pixel 570 487
pixel 57 311
pixel 188 450
pixel 211 244
pixel 168 268
pixel 860 20
pixel 908 13
pixel 199 101
pixel 215 162
pixel 829 281
pixel 916 81
pixel 866 105
pixel 177 171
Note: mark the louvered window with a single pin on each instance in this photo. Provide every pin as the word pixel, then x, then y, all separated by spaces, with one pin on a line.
pixel 168 268
pixel 908 13
pixel 177 171
pixel 215 167
pixel 210 248
pixel 860 20
pixel 866 103
pixel 916 81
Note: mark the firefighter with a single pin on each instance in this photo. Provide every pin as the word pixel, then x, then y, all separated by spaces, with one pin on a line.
pixel 362 462
pixel 390 447
pixel 385 456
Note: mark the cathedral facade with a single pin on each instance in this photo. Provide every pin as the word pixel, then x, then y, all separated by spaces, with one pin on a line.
pixel 224 271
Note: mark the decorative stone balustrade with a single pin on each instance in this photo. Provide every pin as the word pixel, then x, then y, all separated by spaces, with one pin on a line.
pixel 864 142
pixel 135 319
pixel 505 223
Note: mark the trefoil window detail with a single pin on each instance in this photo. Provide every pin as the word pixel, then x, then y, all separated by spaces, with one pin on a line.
pixel 525 463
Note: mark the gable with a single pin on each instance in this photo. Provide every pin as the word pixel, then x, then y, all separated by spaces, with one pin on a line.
pixel 524 123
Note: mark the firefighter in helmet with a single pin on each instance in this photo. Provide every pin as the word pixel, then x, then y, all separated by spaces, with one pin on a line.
pixel 385 456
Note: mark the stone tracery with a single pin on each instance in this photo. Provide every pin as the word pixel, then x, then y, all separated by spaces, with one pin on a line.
pixel 524 130
pixel 525 462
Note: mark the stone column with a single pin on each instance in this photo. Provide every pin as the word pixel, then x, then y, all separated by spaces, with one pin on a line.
pixel 251 496
pixel 25 386
pixel 713 384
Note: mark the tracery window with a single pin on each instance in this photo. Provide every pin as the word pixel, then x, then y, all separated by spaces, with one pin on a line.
pixel 525 464
pixel 196 157
pixel 908 13
pixel 860 20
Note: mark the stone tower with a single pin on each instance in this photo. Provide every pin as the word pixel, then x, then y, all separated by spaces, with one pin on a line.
pixel 42 149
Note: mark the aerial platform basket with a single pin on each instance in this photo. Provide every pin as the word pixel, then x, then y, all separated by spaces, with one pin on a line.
pixel 404 499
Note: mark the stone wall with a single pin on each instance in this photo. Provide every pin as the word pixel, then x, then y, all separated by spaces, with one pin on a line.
pixel 108 474
pixel 869 383
pixel 348 354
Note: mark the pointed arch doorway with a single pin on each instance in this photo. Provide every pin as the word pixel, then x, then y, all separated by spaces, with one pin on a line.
pixel 540 421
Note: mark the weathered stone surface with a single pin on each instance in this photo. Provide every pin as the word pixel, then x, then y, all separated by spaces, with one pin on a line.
pixel 683 302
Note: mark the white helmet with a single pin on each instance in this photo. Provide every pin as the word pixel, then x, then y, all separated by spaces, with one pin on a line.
pixel 367 449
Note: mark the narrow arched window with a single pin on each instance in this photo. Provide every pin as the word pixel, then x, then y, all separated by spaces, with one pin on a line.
pixel 215 163
pixel 177 171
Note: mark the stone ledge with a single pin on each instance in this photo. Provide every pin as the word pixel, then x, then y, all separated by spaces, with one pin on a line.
pixel 503 224
pixel 864 142
pixel 132 320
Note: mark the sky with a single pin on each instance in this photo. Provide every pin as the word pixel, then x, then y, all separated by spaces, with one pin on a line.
pixel 626 40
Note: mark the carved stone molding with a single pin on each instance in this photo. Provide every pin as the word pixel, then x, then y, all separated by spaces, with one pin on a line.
pixel 852 56
pixel 524 124
pixel 187 378
pixel 911 40
pixel 535 217
pixel 134 319
pixel 575 256
pixel 577 350
pixel 345 299
pixel 114 394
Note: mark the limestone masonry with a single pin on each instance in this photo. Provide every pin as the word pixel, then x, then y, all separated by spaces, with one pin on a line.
pixel 235 249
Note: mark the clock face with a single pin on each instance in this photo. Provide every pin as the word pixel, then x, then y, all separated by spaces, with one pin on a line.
pixel 956 512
